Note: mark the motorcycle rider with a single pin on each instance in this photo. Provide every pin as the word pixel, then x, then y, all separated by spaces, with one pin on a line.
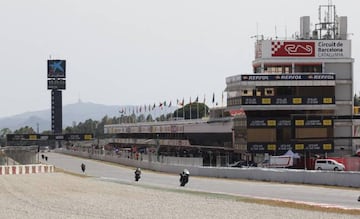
pixel 83 167
pixel 137 174
pixel 184 177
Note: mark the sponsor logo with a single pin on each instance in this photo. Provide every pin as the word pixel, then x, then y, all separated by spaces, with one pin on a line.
pixel 283 48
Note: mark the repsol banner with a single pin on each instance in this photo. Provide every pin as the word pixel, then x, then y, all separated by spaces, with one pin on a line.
pixel 288 77
pixel 300 147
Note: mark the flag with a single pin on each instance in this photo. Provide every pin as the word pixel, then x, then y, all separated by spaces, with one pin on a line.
pixel 182 102
pixel 164 103
pixel 213 99
pixel 160 104
pixel 154 106
pixel 170 104
pixel 197 99
pixel 204 99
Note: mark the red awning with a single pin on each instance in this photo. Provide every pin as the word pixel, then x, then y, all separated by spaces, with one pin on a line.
pixel 237 112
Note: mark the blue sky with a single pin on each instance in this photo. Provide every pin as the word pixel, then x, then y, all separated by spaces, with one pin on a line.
pixel 141 52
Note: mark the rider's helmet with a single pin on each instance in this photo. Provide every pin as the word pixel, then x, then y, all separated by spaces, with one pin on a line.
pixel 138 169
pixel 186 171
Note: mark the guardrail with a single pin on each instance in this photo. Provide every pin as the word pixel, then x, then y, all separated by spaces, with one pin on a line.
pixel 315 177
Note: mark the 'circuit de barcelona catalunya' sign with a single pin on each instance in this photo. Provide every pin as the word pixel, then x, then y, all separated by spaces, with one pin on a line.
pixel 303 48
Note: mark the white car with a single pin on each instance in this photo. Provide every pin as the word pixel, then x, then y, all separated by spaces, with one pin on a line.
pixel 328 164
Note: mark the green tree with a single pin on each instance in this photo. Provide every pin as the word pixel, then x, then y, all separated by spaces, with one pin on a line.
pixel 141 118
pixel 3 133
pixel 25 130
pixel 149 118
pixel 197 111
pixel 356 100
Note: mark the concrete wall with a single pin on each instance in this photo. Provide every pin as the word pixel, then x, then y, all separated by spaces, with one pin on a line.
pixel 347 178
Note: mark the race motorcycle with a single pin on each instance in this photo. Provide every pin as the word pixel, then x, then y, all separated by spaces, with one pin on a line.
pixel 137 174
pixel 184 177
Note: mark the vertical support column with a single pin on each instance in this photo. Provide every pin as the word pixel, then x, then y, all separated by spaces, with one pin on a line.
pixel 56 111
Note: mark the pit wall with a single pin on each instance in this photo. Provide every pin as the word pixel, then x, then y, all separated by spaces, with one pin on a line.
pixel 282 175
pixel 26 169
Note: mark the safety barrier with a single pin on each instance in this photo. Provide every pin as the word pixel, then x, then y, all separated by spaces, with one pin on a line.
pixel 283 175
pixel 26 169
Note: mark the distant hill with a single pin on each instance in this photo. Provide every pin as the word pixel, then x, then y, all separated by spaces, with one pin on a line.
pixel 77 112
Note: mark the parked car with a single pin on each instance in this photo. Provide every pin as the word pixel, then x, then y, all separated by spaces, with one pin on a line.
pixel 328 164
pixel 283 161
pixel 45 149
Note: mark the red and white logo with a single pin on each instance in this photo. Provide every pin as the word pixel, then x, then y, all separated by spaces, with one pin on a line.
pixel 286 48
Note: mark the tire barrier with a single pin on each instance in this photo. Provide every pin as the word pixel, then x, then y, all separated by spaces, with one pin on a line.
pixel 26 169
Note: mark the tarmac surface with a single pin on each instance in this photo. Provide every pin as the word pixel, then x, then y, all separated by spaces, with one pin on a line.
pixel 60 195
pixel 109 191
pixel 337 197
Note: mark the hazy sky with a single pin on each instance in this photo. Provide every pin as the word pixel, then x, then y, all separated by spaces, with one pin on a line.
pixel 143 51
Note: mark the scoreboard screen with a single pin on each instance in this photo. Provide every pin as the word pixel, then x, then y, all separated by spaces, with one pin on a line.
pixel 56 84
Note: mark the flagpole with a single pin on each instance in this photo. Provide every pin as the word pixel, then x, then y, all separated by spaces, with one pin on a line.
pixel 213 99
pixel 177 113
pixel 204 106
pixel 190 108
pixel 177 110
pixel 197 107
pixel 183 108
pixel 171 115
pixel 222 104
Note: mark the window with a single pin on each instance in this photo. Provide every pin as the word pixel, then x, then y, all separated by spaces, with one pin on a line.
pixel 269 91
pixel 246 92
pixel 317 68
pixel 277 69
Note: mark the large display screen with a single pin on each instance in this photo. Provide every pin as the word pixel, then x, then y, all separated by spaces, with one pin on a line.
pixel 56 84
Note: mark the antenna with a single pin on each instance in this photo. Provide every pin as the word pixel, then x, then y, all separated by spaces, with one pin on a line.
pixel 327 25
pixel 79 100
pixel 257 36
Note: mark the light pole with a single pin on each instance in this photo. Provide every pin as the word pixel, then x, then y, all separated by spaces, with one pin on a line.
pixel 157 147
